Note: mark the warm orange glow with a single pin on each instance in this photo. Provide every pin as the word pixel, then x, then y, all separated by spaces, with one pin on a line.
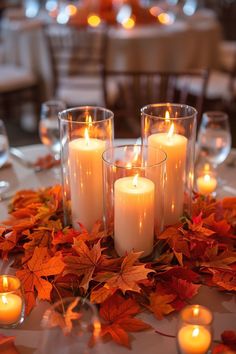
pixel 207 178
pixel 71 9
pixel 129 23
pixel 86 136
pixel 167 117
pixel 135 180
pixel 165 19
pixel 206 167
pixel 129 165
pixel 4 300
pixel 196 311
pixel 89 120
pixel 195 332
pixel 171 131
pixel 94 20
pixel 154 11
pixel 136 153
pixel 5 283
pixel 97 328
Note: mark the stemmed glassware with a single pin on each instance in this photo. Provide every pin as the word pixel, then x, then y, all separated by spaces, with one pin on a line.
pixel 214 138
pixel 4 154
pixel 68 326
pixel 49 126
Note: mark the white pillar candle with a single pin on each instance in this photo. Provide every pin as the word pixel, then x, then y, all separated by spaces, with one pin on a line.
pixel 175 147
pixel 206 184
pixel 194 339
pixel 10 308
pixel 86 185
pixel 134 215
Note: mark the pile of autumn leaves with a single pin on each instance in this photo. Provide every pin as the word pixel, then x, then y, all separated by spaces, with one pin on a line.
pixel 54 262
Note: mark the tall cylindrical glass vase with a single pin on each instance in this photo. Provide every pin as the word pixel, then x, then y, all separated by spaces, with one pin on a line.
pixel 85 133
pixel 133 196
pixel 172 128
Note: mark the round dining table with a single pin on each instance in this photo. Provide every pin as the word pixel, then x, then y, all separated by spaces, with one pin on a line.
pixel 29 334
pixel 184 45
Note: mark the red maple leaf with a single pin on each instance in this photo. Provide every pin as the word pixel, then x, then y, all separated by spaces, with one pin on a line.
pixel 118 319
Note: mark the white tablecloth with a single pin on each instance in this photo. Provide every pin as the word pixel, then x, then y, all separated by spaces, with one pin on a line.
pixel 28 334
pixel 182 46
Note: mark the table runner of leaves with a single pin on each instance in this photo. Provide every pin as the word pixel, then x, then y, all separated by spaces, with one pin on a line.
pixel 54 262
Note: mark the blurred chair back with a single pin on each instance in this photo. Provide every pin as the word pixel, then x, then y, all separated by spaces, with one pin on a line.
pixel 137 89
pixel 78 57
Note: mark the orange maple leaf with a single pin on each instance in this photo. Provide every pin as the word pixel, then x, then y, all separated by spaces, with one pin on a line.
pixel 226 280
pixel 100 295
pixel 128 276
pixel 38 238
pixel 39 266
pixel 7 345
pixel 85 262
pixel 214 259
pixel 7 242
pixel 160 304
pixel 117 315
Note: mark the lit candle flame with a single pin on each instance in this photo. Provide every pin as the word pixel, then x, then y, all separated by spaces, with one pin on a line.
pixel 4 300
pixel 5 283
pixel 89 120
pixel 196 311
pixel 165 18
pixel 86 136
pixel 195 332
pixel 171 131
pixel 94 20
pixel 207 178
pixel 167 117
pixel 135 180
pixel 129 23
pixel 71 9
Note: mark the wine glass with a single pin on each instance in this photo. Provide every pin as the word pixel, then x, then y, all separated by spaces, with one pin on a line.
pixel 4 154
pixel 214 137
pixel 68 327
pixel 49 126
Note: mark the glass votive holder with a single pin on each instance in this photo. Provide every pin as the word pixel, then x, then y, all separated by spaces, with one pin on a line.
pixel 85 132
pixel 12 305
pixel 68 326
pixel 172 128
pixel 194 334
pixel 206 180
pixel 134 177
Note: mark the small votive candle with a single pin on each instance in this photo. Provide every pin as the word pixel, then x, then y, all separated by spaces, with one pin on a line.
pixel 194 334
pixel 207 183
pixel 11 301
